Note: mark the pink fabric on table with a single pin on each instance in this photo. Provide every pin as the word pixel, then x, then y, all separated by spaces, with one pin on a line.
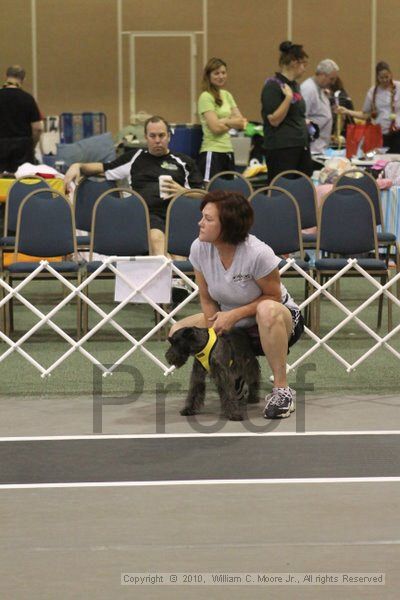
pixel 321 190
pixel 384 184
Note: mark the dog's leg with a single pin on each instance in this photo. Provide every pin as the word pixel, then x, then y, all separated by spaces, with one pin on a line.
pixel 233 405
pixel 197 389
pixel 252 376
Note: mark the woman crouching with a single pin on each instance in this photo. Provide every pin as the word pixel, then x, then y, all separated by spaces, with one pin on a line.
pixel 239 285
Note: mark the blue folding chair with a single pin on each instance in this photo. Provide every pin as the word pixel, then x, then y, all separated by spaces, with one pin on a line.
pixel 230 181
pixel 277 223
pixel 303 190
pixel 347 229
pixel 45 228
pixel 365 182
pixel 88 190
pixel 17 192
pixel 120 227
pixel 386 240
pixel 182 226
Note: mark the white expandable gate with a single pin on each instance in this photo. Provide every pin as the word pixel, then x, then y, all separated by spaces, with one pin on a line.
pixel 350 315
pixel 165 263
pixel 78 290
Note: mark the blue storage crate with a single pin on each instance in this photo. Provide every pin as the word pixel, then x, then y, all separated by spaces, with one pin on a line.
pixel 186 139
pixel 78 126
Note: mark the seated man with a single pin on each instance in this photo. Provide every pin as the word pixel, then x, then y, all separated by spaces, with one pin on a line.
pixel 143 168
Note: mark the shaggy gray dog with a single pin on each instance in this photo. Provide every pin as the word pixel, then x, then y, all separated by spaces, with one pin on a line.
pixel 231 363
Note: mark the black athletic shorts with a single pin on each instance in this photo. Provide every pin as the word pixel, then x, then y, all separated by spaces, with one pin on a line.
pixel 157 222
pixel 212 163
pixel 298 328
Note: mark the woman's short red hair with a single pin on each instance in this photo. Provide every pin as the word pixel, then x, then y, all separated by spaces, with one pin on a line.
pixel 235 215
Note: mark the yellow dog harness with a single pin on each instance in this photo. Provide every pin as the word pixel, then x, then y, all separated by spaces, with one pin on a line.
pixel 204 355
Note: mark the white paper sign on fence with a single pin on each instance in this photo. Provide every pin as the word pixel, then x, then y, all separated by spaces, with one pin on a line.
pixel 137 272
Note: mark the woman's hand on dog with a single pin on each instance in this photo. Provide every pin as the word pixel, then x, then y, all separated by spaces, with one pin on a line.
pixel 222 321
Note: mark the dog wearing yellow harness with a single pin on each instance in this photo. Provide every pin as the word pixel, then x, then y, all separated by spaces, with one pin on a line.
pixel 230 361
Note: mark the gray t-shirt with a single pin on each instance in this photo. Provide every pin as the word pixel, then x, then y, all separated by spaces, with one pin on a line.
pixel 236 286
pixel 318 110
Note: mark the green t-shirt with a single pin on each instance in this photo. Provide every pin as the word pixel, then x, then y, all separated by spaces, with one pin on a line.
pixel 211 141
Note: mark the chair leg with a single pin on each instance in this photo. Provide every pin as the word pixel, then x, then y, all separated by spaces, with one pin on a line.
pixel 156 321
pixel 11 315
pixel 3 308
pixel 317 309
pixel 311 315
pixel 79 310
pixel 380 305
pixel 307 312
pixel 9 310
pixel 85 312
pixel 335 289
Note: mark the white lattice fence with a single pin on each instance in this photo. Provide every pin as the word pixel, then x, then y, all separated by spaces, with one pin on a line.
pixel 350 315
pixel 106 318
pixel 138 344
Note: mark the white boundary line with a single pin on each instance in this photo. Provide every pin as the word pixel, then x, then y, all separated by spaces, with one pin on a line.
pixel 96 484
pixel 193 435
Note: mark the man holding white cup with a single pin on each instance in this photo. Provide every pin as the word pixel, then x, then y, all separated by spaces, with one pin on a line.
pixel 156 174
pixel 164 193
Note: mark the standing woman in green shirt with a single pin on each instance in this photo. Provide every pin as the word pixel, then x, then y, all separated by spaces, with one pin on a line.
pixel 218 114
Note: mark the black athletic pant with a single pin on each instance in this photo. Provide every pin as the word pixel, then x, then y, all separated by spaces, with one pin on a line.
pixel 14 152
pixel 283 159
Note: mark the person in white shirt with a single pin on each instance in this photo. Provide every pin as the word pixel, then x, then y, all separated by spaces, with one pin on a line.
pixel 318 108
pixel 382 106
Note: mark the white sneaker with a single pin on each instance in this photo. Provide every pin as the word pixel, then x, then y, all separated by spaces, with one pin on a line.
pixel 280 403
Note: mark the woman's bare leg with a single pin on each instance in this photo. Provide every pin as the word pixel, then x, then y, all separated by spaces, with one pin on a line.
pixel 196 320
pixel 275 327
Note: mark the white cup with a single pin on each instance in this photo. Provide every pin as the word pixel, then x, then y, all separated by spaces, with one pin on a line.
pixel 163 193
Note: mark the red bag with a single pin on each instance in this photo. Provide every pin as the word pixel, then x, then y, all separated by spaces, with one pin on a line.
pixel 367 137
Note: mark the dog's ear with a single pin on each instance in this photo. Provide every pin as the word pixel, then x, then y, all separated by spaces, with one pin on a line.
pixel 188 333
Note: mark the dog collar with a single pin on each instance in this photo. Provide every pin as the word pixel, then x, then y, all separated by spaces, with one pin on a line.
pixel 204 355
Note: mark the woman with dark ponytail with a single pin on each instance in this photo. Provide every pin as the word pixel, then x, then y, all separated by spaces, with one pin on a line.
pixel 218 114
pixel 286 136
